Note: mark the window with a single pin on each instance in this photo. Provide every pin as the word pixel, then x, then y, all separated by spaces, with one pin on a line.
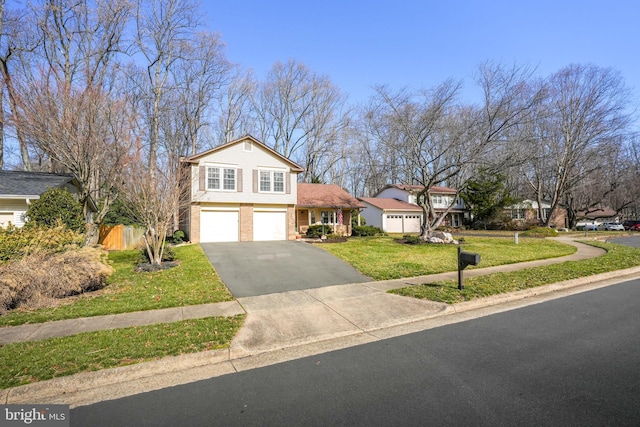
pixel 271 182
pixel 219 178
pixel 518 214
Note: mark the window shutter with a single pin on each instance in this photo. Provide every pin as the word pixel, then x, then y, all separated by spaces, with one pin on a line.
pixel 202 178
pixel 288 182
pixel 255 180
pixel 239 180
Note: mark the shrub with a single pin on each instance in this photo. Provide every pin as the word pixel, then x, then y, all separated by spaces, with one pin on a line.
pixel 18 242
pixel 167 254
pixel 413 239
pixel 540 232
pixel 316 230
pixel 366 230
pixel 56 204
pixel 178 237
pixel 39 279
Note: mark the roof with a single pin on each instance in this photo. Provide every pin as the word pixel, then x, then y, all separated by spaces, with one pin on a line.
pixel 30 184
pixel 194 159
pixel 416 188
pixel 388 204
pixel 597 213
pixel 325 195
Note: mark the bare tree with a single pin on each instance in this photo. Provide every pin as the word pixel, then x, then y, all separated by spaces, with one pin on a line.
pixel 236 113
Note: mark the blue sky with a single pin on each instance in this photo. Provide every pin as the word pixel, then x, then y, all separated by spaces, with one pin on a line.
pixel 422 43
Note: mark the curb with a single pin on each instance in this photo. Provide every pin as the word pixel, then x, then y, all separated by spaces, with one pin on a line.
pixel 91 387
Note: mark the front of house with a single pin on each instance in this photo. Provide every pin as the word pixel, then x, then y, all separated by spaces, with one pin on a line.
pixel 395 208
pixel 527 213
pixel 240 191
pixel 326 204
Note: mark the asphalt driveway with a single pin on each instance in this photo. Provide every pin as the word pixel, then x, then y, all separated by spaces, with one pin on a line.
pixel 260 268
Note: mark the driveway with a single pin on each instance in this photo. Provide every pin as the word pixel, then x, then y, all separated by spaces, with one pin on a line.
pixel 260 268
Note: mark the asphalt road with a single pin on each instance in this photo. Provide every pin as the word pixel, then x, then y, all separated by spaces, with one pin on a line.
pixel 573 361
pixel 260 268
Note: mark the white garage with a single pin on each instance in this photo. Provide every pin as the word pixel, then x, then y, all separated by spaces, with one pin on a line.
pixel 269 225
pixel 219 226
pixel 403 223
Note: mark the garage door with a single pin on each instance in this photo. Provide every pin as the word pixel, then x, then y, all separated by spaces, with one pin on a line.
pixel 394 224
pixel 6 218
pixel 269 225
pixel 219 226
pixel 403 223
pixel 411 224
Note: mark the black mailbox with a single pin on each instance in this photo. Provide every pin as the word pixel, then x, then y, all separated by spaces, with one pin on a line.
pixel 469 258
pixel 465 259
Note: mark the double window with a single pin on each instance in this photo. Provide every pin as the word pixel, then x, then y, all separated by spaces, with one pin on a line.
pixel 221 178
pixel 271 181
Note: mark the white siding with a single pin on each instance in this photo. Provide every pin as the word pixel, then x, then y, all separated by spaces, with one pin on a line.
pixel 16 208
pixel 395 193
pixel 372 215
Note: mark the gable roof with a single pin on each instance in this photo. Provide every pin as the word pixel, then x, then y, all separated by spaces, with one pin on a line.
pixel 416 188
pixel 325 195
pixel 22 184
pixel 388 204
pixel 194 159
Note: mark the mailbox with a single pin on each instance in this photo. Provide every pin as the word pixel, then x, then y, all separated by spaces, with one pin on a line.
pixel 468 258
pixel 465 259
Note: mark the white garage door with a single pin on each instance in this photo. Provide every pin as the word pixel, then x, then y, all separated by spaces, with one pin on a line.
pixel 269 225
pixel 219 226
pixel 394 224
pixel 411 223
pixel 6 218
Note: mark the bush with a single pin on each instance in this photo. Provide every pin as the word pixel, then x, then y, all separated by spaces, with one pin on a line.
pixel 39 279
pixel 366 230
pixel 178 237
pixel 54 205
pixel 316 230
pixel 413 239
pixel 18 242
pixel 540 232
pixel 167 255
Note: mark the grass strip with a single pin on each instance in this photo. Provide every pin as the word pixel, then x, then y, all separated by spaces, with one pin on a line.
pixel 192 282
pixel 34 361
pixel 618 257
pixel 382 258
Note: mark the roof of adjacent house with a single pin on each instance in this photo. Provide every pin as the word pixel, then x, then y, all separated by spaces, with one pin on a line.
pixel 30 184
pixel 415 188
pixel 325 196
pixel 388 204
pixel 196 157
pixel 597 213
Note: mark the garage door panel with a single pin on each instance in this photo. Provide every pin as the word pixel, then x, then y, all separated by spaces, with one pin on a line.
pixel 412 223
pixel 394 223
pixel 269 225
pixel 219 226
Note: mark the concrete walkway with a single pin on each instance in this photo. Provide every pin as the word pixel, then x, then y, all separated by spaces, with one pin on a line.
pixel 278 327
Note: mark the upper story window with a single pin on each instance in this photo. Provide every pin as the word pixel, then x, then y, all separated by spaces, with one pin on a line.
pixel 221 178
pixel 271 181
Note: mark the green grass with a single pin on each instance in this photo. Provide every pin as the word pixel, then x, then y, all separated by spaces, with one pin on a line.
pixel 382 258
pixel 617 257
pixel 34 361
pixel 194 281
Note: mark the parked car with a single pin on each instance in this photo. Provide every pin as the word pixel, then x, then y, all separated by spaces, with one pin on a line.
pixel 630 223
pixel 635 227
pixel 611 226
pixel 587 226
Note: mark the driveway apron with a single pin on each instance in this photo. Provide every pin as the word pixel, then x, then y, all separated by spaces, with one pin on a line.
pixel 261 268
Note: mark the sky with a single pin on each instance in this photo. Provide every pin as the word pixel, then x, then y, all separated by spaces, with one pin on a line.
pixel 420 44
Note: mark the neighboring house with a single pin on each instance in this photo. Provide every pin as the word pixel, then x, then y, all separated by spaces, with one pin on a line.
pixel 19 188
pixel 240 191
pixel 395 208
pixel 527 212
pixel 596 217
pixel 325 204
pixel 392 215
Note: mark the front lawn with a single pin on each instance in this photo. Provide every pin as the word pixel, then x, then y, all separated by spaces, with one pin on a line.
pixel 382 258
pixel 618 257
pixel 192 282
pixel 34 361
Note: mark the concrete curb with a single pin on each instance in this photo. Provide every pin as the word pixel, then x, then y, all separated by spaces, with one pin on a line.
pixel 92 387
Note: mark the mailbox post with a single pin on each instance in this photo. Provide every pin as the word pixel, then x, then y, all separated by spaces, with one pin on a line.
pixel 465 259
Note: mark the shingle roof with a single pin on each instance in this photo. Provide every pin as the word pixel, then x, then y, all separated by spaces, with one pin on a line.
pixel 325 195
pixel 389 204
pixel 411 188
pixel 21 183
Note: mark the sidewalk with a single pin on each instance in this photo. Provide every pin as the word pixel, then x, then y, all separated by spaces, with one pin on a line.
pixel 278 327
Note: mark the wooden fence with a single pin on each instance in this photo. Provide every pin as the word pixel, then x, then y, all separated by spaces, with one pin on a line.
pixel 120 237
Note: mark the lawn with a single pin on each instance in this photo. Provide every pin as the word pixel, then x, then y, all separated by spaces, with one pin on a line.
pixel 194 281
pixel 383 258
pixel 617 257
pixel 34 361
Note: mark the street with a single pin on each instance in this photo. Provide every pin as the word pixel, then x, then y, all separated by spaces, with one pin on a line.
pixel 572 361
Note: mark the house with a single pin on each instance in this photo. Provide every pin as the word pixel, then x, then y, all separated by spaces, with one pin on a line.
pixel 527 212
pixel 406 216
pixel 594 217
pixel 19 188
pixel 392 215
pixel 240 191
pixel 325 204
